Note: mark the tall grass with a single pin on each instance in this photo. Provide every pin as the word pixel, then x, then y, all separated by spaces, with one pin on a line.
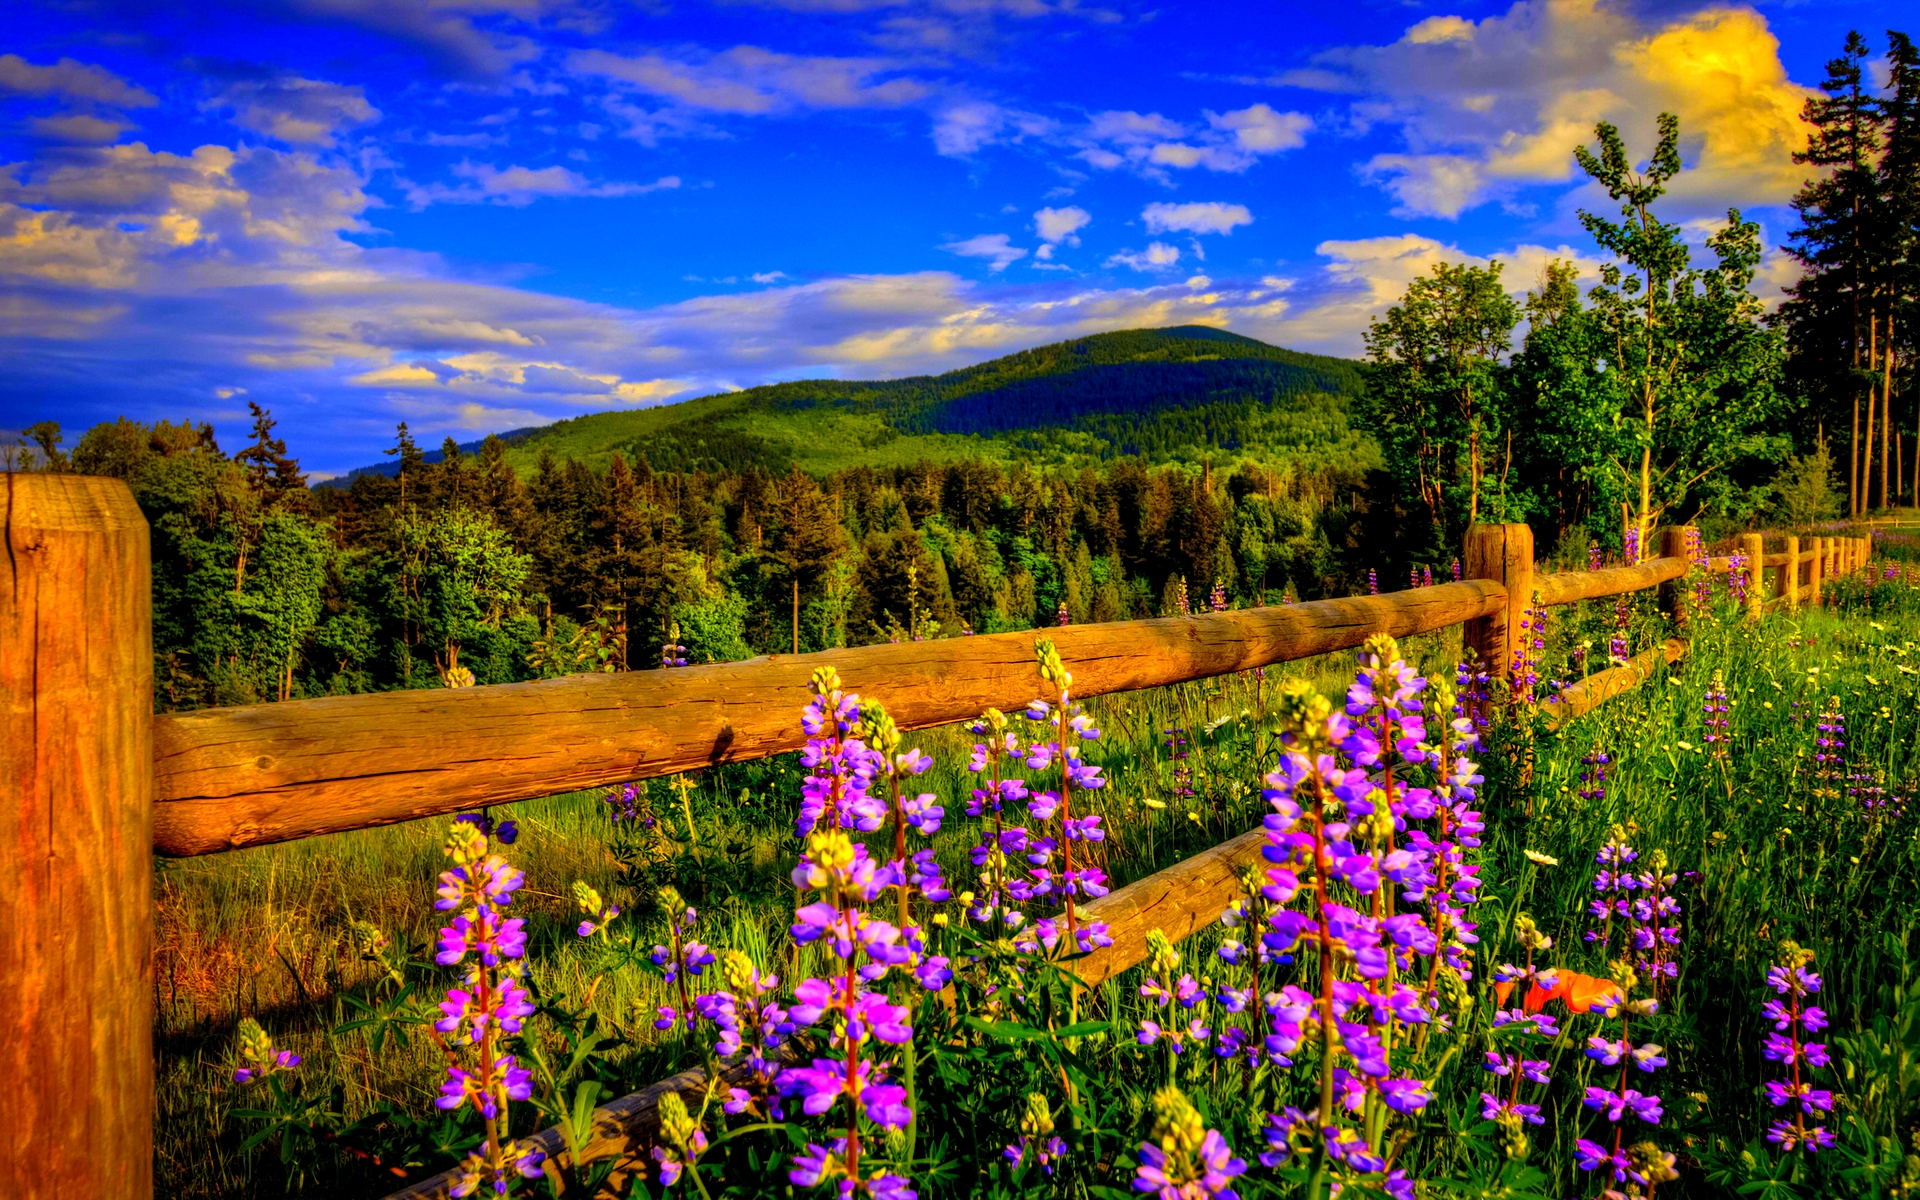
pixel 1767 853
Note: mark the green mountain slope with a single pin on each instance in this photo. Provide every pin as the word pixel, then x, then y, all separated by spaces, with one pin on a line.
pixel 1174 394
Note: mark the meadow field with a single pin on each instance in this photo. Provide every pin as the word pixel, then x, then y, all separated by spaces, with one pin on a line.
pixel 1788 826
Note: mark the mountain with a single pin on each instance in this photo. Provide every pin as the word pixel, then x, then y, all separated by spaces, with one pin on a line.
pixel 1174 394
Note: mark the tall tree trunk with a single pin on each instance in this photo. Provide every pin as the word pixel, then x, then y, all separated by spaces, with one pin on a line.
pixel 796 614
pixel 1886 410
pixel 1873 403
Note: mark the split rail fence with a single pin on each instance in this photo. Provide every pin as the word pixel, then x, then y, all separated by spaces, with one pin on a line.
pixel 93 783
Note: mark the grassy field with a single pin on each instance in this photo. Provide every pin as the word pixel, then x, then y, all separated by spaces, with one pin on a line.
pixel 1766 848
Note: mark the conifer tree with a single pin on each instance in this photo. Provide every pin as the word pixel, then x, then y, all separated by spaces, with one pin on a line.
pixel 1827 315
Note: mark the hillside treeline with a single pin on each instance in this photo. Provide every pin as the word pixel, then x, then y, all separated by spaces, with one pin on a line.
pixel 267 589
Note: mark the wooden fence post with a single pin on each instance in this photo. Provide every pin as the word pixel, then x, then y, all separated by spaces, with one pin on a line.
pixel 76 850
pixel 1755 548
pixel 1673 593
pixel 1790 573
pixel 1815 570
pixel 1503 553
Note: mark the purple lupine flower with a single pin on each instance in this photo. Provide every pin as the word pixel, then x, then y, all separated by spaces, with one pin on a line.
pixel 1830 749
pixel 1595 557
pixel 853 1021
pixel 1217 602
pixel 487 1001
pixel 1063 617
pixel 1185 1160
pixel 1792 978
pixel 1617 648
pixel 1715 707
pixel 1426 576
pixel 672 653
pixel 1373 582
pixel 840 773
pixel 261 1056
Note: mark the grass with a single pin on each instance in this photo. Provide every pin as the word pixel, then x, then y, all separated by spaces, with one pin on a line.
pixel 1768 852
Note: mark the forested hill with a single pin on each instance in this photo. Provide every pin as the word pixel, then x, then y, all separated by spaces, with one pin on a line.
pixel 1176 394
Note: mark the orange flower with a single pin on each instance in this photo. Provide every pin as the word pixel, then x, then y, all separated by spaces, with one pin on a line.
pixel 1580 993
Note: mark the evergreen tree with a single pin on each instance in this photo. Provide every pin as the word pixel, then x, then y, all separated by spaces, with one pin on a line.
pixel 1827 314
pixel 1899 186
pixel 412 465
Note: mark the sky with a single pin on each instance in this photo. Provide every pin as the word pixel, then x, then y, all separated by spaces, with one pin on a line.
pixel 479 215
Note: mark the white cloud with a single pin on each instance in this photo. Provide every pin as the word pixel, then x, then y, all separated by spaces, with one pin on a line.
pixel 963 129
pixel 1203 217
pixel 1158 256
pixel 1149 142
pixel 71 80
pixel 1260 130
pixel 1489 107
pixel 769 277
pixel 521 186
pixel 302 112
pixel 1061 224
pixel 993 247
pixel 755 81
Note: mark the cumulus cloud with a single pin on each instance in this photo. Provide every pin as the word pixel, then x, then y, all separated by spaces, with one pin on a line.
pixel 1158 256
pixel 84 128
pixel 301 112
pixel 1058 225
pixel 70 80
pixel 755 81
pixel 1492 106
pixel 1202 217
pixel 1149 142
pixel 994 247
pixel 963 129
pixel 518 187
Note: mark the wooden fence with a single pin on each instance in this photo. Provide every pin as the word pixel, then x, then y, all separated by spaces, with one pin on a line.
pixel 92 783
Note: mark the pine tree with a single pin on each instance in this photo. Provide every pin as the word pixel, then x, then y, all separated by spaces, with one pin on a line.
pixel 1899 186
pixel 806 539
pixel 271 475
pixel 1826 318
pixel 412 464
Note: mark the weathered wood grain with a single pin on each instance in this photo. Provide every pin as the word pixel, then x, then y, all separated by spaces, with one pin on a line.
pixel 76 867
pixel 1571 587
pixel 1753 546
pixel 230 777
pixel 1589 693
pixel 1503 553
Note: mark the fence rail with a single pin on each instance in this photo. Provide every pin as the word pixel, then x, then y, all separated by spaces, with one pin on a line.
pixel 91 783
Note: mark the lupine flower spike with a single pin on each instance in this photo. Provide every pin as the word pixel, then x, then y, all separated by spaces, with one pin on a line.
pixel 1185 1160
pixel 1793 981
pixel 487 1001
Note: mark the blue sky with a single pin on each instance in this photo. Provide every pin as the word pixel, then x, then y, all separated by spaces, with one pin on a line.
pixel 475 215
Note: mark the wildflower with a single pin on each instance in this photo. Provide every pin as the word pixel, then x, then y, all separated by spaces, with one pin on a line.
pixel 1035 1144
pixel 1373 582
pixel 836 790
pixel 1716 707
pixel 1218 600
pixel 487 1000
pixel 672 653
pixel 1184 1160
pixel 262 1057
pixel 853 1017
pixel 1069 726
pixel 1063 617
pixel 1541 860
pixel 1792 978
